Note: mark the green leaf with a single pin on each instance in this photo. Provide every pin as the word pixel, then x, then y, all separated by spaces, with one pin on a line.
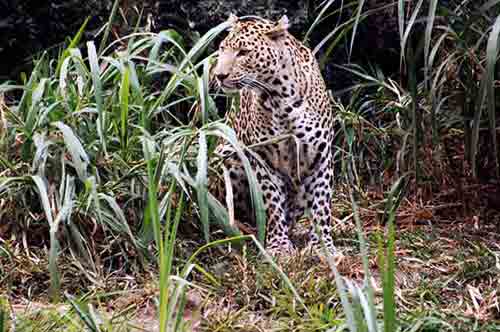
pixel 79 157
pixel 428 38
pixel 29 86
pixel 371 315
pixel 109 25
pixel 98 93
pixel 225 132
pixel 33 112
pixel 74 43
pixel 356 22
pixel 83 312
pixel 54 243
pixel 401 25
pixel 202 184
pixel 124 107
pixel 318 18
pixel 487 92
pixel 491 62
pixel 200 46
pixel 409 28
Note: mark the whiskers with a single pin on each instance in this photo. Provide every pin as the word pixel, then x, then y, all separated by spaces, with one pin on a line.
pixel 248 82
pixel 257 84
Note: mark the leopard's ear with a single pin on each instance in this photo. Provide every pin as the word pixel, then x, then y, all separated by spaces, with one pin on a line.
pixel 232 19
pixel 280 29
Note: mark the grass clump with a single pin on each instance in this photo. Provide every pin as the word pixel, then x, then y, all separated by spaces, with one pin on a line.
pixel 105 156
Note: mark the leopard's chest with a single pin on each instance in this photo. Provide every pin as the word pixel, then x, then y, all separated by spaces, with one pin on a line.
pixel 281 140
pixel 286 133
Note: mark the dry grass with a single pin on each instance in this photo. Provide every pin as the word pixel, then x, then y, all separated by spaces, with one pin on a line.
pixel 447 278
pixel 447 245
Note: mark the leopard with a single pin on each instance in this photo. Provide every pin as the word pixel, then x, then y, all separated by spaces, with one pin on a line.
pixel 282 94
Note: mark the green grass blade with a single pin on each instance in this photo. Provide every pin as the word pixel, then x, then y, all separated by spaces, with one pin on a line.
pixel 389 278
pixel 172 232
pixel 171 36
pixel 428 38
pixel 6 87
pixel 317 19
pixel 371 314
pixel 63 75
pixel 281 273
pixel 191 57
pixel 98 92
pixel 491 62
pixel 415 112
pixel 343 28
pixel 109 25
pixel 74 43
pixel 225 132
pixel 29 86
pixel 389 260
pixel 222 216
pixel 83 314
pixel 202 184
pixel 54 243
pixel 124 108
pixel 343 293
pixel 239 239
pixel 79 157
pixel 172 305
pixel 153 213
pixel 356 23
pixel 213 244
pixel 486 92
pixel 34 110
pixel 4 314
pixel 121 221
pixel 476 124
pixel 409 29
pixel 401 25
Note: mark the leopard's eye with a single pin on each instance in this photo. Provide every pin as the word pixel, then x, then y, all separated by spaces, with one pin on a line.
pixel 243 52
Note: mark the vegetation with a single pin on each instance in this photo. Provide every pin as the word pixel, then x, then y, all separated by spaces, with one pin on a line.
pixel 106 152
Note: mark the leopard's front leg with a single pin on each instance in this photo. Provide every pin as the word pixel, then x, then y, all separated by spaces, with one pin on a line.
pixel 320 186
pixel 275 192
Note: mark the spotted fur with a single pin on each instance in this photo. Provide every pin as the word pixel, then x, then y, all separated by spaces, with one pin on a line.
pixel 282 92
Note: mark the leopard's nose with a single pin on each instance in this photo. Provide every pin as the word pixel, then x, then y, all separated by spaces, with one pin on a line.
pixel 221 76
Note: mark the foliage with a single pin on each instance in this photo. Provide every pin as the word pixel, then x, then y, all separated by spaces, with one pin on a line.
pixel 106 157
pixel 75 138
pixel 30 28
pixel 94 139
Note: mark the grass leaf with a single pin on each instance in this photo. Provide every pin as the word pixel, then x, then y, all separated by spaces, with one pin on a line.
pixel 355 26
pixel 79 157
pixel 491 63
pixel 202 184
pixel 109 25
pixel 98 92
pixel 124 108
pixel 428 36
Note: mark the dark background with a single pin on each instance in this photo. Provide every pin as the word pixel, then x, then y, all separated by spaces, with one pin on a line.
pixel 30 27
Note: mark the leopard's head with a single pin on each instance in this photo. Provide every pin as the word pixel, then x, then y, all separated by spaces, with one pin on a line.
pixel 252 54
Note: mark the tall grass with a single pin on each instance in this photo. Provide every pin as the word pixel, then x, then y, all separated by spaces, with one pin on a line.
pixel 95 139
pixel 121 137
pixel 456 45
pixel 74 140
pixel 458 40
pixel 448 61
